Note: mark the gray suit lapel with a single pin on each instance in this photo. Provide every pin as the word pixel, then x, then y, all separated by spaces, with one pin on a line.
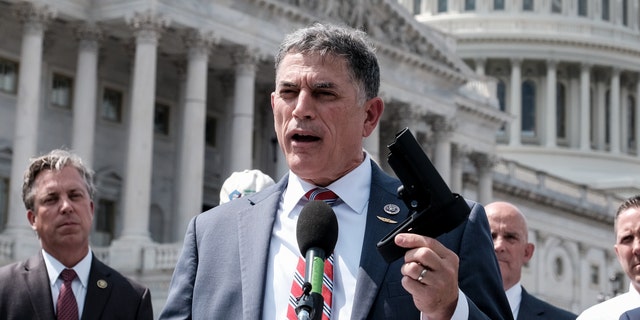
pixel 37 283
pixel 254 240
pixel 373 267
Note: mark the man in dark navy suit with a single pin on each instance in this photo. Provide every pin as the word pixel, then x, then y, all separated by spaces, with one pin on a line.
pixel 510 241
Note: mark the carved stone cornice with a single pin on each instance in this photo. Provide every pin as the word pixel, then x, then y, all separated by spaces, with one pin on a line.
pixel 441 127
pixel 88 35
pixel 483 161
pixel 199 43
pixel 148 26
pixel 35 18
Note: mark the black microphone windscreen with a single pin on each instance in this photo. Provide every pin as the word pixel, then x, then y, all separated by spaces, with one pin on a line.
pixel 317 227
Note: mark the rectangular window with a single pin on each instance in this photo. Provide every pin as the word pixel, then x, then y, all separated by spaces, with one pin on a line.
pixel 161 118
pixel 211 131
pixel 469 5
pixel 61 91
pixel 556 6
pixel 625 13
pixel 595 275
pixel 605 10
pixel 442 5
pixel 111 105
pixel 498 4
pixel 105 220
pixel 527 5
pixel 8 75
pixel 582 8
pixel 417 4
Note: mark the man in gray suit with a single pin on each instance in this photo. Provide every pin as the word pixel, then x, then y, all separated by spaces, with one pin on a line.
pixel 58 194
pixel 513 249
pixel 239 259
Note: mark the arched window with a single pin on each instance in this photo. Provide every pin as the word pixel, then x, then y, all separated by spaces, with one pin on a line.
pixel 528 108
pixel 561 111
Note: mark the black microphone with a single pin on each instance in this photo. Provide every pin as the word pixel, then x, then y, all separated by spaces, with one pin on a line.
pixel 317 234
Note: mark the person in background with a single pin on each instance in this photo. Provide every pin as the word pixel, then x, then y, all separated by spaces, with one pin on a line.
pixel 65 280
pixel 239 259
pixel 627 230
pixel 242 183
pixel 633 314
pixel 513 250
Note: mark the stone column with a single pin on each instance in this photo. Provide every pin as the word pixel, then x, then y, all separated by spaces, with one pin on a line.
pixel 515 105
pixel 459 156
pixel 139 158
pixel 25 141
pixel 84 98
pixel 191 146
pixel 442 131
pixel 614 112
pixel 600 112
pixel 550 132
pixel 241 156
pixel 585 108
pixel 484 164
pixel 624 121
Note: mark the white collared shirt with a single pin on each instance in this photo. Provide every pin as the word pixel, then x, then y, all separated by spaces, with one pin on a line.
pixel 283 252
pixel 514 295
pixel 79 284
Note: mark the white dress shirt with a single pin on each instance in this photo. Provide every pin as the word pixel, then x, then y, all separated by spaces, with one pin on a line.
pixel 614 307
pixel 514 295
pixel 351 212
pixel 79 284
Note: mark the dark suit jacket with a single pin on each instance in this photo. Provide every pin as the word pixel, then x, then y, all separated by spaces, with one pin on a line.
pixel 633 314
pixel 222 267
pixel 25 293
pixel 532 308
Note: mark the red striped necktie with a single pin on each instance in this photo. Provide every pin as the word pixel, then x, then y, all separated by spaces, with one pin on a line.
pixel 67 307
pixel 330 198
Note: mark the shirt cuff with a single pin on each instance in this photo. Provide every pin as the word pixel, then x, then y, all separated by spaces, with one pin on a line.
pixel 462 308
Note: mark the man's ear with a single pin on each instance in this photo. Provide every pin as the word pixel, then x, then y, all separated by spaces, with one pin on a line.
pixel 528 251
pixel 374 108
pixel 31 216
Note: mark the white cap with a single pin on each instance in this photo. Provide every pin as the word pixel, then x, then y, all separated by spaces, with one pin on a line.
pixel 242 183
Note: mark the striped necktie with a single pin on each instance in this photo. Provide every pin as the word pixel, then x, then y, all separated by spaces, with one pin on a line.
pixel 67 307
pixel 330 198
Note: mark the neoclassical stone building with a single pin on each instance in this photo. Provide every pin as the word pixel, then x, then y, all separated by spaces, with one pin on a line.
pixel 568 72
pixel 164 99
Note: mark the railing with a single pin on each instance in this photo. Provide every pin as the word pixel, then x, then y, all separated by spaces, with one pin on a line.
pixel 513 173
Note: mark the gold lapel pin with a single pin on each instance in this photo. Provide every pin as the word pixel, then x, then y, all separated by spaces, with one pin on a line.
pixel 387 220
pixel 102 284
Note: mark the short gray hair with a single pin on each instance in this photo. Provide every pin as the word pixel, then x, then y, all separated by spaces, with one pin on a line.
pixel 351 44
pixel 56 160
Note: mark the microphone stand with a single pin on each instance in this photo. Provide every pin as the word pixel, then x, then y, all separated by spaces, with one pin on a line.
pixel 310 304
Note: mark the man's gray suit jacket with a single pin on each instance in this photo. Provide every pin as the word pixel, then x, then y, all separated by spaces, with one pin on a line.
pixel 25 293
pixel 221 271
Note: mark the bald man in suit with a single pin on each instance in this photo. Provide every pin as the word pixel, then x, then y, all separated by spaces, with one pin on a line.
pixel 510 242
pixel 58 195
